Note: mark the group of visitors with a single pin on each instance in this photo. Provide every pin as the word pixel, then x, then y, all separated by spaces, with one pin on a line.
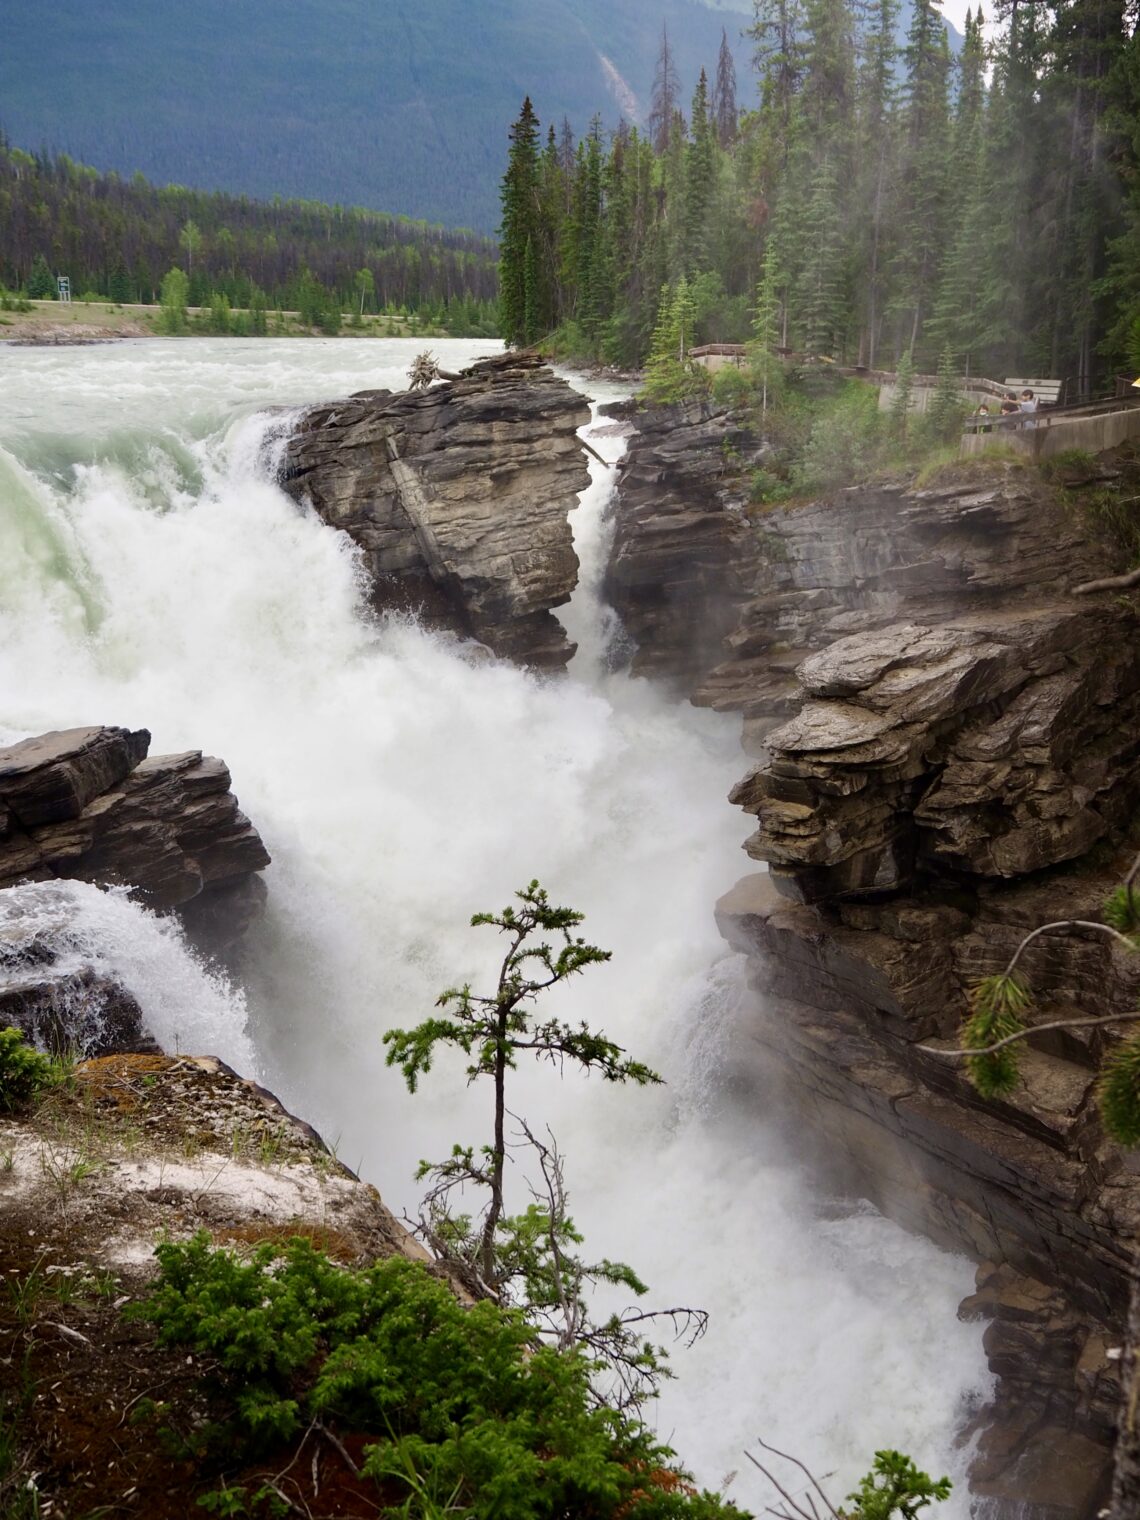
pixel 1010 405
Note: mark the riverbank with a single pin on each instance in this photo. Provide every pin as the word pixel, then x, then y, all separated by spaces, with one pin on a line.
pixel 51 323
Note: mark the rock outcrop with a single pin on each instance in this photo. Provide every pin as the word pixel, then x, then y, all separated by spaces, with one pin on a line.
pixel 87 804
pixel 458 498
pixel 950 744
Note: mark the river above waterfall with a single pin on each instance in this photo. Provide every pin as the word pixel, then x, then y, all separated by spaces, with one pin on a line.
pixel 153 575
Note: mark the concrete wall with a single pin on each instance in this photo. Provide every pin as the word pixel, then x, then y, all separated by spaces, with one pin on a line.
pixel 1051 436
pixel 715 362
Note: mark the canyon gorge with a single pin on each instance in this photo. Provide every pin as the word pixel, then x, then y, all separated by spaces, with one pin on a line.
pixel 944 755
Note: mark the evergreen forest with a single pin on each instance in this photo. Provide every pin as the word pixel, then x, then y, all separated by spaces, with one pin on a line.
pixel 118 239
pixel 859 197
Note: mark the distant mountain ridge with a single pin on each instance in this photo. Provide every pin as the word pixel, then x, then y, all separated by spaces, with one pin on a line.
pixel 401 106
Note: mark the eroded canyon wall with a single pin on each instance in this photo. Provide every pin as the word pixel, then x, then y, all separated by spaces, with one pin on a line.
pixel 949 745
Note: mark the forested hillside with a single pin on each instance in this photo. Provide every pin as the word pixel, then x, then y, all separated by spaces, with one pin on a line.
pixel 881 201
pixel 118 238
pixel 400 106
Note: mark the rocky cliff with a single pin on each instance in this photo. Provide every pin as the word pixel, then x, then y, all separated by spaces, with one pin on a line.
pixel 458 497
pixel 949 742
pixel 88 804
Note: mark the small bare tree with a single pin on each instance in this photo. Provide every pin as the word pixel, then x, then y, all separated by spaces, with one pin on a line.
pixel 530 1259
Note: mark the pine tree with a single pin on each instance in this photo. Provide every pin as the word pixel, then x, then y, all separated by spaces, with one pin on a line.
pixel 945 411
pixel 875 161
pixel 822 307
pixel 666 96
pixel 900 401
pixel 41 281
pixel 700 173
pixel 724 111
pixel 766 326
pixel 519 230
pixel 925 172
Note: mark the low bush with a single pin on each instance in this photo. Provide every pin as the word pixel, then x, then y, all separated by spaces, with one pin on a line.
pixel 24 1072
pixel 459 1401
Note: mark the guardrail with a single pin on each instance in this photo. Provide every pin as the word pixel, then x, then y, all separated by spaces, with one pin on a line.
pixel 1015 422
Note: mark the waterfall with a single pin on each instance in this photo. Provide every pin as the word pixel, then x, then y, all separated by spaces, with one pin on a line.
pixel 153 575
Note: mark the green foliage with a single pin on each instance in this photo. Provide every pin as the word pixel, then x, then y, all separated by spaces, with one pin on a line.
pixel 460 1401
pixel 670 374
pixel 997 1008
pixel 843 445
pixel 175 290
pixel 1122 910
pixel 41 281
pixel 895 1486
pixel 731 387
pixel 1118 1092
pixel 24 1072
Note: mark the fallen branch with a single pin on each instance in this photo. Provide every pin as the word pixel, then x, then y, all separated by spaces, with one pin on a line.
pixel 1109 583
pixel 338 1445
pixel 1023 1034
pixel 590 449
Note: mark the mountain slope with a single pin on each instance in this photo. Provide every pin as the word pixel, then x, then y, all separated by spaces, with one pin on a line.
pixel 402 106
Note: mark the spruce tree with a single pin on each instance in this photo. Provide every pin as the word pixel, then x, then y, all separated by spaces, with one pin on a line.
pixel 700 173
pixel 518 230
pixel 924 175
pixel 724 111
pixel 666 96
pixel 41 281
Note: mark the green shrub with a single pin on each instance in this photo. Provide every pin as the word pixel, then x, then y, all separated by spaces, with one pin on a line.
pixel 844 444
pixel 24 1072
pixel 459 1400
pixel 731 387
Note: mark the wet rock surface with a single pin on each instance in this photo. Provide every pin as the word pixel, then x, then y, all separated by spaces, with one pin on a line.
pixel 88 804
pixel 949 745
pixel 458 498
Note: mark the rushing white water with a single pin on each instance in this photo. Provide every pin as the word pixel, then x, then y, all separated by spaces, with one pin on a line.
pixel 152 575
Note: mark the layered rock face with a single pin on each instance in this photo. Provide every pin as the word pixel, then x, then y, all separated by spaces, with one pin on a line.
pixel 87 804
pixel 458 497
pixel 950 744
